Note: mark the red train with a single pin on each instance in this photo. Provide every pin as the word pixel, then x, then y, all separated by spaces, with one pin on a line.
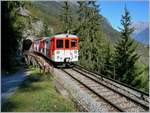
pixel 60 49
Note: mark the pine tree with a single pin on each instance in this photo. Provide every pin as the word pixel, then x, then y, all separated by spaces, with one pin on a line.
pixel 82 32
pixel 83 19
pixel 94 34
pixel 91 42
pixel 125 56
pixel 108 65
pixel 66 18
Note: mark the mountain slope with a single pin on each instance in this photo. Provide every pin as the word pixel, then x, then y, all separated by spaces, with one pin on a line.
pixel 110 32
pixel 141 33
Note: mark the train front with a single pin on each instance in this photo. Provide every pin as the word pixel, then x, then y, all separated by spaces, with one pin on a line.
pixel 66 49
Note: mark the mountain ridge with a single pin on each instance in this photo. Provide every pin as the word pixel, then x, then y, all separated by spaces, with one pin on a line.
pixel 141 33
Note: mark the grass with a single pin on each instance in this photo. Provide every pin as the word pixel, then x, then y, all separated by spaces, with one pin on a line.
pixel 37 93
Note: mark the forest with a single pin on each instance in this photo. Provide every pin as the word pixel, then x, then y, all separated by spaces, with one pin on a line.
pixel 118 59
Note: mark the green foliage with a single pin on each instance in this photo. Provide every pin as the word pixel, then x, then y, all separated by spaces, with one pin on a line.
pixel 66 18
pixel 92 40
pixel 141 80
pixel 125 56
pixel 46 30
pixel 109 68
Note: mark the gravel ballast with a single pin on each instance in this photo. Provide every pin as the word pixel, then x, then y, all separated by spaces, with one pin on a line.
pixel 79 94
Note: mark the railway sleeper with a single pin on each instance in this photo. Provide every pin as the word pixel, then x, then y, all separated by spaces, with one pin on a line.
pixel 111 98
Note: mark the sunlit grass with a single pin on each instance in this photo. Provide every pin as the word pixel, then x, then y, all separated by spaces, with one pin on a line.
pixel 37 93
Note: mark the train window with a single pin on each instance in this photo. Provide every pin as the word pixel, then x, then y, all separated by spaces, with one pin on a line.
pixel 59 43
pixel 73 43
pixel 66 43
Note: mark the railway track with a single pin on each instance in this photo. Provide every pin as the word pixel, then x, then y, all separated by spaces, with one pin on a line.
pixel 112 98
pixel 139 94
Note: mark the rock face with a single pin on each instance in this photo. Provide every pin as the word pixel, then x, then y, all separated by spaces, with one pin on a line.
pixel 33 26
pixel 141 32
pixel 23 12
pixel 37 26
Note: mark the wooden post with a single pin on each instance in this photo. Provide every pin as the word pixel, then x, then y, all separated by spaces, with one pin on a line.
pixel 114 72
pixel 26 60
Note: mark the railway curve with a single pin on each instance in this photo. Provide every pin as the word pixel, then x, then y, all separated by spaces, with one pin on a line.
pixel 115 95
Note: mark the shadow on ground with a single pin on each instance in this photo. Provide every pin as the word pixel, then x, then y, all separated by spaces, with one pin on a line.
pixel 27 85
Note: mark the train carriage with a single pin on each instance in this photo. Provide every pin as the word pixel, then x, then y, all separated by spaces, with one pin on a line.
pixel 61 48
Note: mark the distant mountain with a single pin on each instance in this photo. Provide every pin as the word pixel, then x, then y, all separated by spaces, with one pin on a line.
pixel 141 33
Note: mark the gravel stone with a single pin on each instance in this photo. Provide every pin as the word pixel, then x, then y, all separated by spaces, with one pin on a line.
pixel 80 95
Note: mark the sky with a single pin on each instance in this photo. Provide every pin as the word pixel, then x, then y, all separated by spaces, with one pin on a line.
pixel 113 9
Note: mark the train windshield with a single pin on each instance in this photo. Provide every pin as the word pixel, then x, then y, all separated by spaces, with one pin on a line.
pixel 59 44
pixel 66 43
pixel 73 43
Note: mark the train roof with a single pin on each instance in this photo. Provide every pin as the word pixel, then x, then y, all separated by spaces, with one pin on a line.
pixel 57 36
pixel 64 35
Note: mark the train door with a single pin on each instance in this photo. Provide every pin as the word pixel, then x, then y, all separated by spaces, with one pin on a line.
pixel 67 50
pixel 52 47
pixel 74 49
pixel 47 48
pixel 59 56
pixel 43 45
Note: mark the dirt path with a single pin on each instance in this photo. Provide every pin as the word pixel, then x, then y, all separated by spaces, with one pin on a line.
pixel 10 83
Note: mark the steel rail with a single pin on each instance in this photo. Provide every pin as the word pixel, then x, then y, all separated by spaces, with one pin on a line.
pixel 116 81
pixel 112 104
pixel 137 102
pixel 100 77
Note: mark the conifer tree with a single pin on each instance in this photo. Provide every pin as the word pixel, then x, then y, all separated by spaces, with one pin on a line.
pixel 125 56
pixel 66 18
pixel 108 65
pixel 83 13
pixel 94 35
pixel 91 42
pixel 81 31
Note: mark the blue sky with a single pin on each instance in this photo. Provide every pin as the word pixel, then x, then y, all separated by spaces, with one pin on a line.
pixel 113 9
